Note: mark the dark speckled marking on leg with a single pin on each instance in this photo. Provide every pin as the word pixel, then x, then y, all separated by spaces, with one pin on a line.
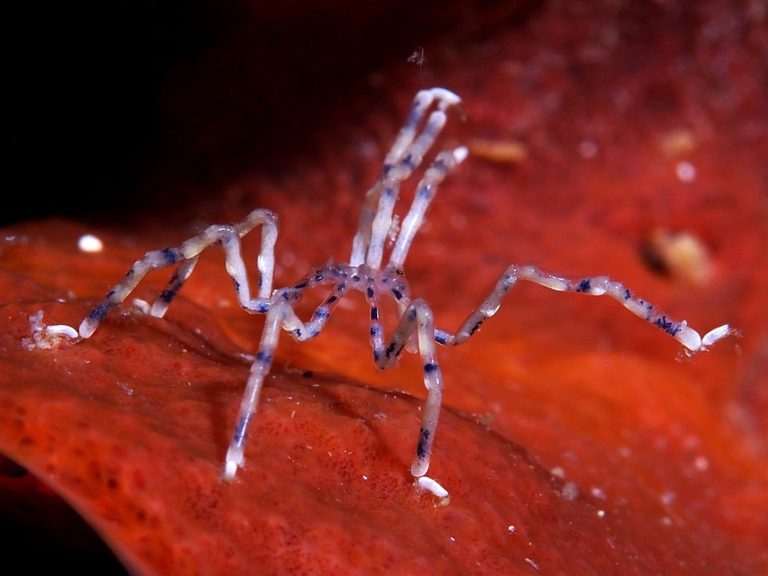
pixel 240 428
pixel 101 310
pixel 422 449
pixel 171 255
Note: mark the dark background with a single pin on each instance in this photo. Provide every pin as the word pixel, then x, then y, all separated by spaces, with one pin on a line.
pixel 111 102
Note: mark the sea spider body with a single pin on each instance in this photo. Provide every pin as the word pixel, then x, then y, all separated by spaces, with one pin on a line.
pixel 364 273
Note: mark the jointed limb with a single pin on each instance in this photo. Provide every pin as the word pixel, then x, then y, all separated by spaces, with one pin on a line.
pixel 302 331
pixel 259 370
pixel 445 162
pixel 405 155
pixel 376 332
pixel 186 256
pixel 595 286
pixel 418 319
pixel 280 315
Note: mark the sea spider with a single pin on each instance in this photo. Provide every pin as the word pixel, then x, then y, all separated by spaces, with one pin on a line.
pixel 365 274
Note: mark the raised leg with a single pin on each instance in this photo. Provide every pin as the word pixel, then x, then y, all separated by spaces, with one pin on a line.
pixel 186 256
pixel 595 286
pixel 418 318
pixel 405 155
pixel 445 162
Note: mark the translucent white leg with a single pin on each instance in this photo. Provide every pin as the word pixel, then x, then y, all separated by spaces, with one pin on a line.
pixel 595 286
pixel 376 332
pixel 445 162
pixel 180 276
pixel 259 370
pixel 403 157
pixel 418 318
pixel 187 255
pixel 302 331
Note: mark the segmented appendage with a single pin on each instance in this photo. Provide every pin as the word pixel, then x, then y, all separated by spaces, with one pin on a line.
pixel 595 286
pixel 364 273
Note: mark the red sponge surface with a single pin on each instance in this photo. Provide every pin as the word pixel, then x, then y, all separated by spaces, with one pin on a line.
pixel 574 438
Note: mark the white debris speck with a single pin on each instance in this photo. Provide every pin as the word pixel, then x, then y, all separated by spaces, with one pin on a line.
pixel 597 493
pixel 685 171
pixel 588 149
pixel 667 498
pixel 90 243
pixel 625 452
pixel 452 539
pixel 47 337
pixel 125 388
pixel 601 513
pixel 569 491
pixel 365 477
pixel 141 305
pixel 701 463
pixel 532 564
pixel 558 472
pixel 429 485
pixel 511 529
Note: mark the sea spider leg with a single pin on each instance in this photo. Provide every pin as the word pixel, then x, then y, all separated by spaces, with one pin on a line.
pixel 418 318
pixel 180 276
pixel 393 176
pixel 276 315
pixel 281 315
pixel 376 332
pixel 234 263
pixel 445 162
pixel 302 331
pixel 595 286
pixel 187 254
pixel 402 158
